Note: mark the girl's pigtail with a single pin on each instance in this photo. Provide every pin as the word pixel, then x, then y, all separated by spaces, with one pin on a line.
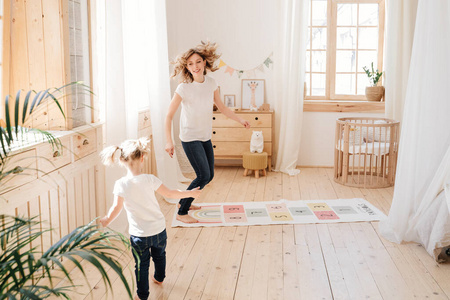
pixel 107 155
pixel 144 144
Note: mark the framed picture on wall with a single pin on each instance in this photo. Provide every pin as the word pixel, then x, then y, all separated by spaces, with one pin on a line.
pixel 252 91
pixel 229 100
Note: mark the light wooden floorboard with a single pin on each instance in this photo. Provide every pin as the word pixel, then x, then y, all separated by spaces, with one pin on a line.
pixel 312 261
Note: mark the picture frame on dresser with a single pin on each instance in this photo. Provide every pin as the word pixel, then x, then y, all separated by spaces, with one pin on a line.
pixel 229 100
pixel 252 93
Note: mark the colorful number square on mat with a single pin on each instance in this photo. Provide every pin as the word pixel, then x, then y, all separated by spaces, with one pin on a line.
pixel 235 218
pixel 344 210
pixel 256 212
pixel 276 207
pixel 326 215
pixel 233 209
pixel 319 206
pixel 300 211
pixel 281 216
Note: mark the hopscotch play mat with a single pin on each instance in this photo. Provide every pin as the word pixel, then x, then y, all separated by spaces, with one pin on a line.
pixel 282 212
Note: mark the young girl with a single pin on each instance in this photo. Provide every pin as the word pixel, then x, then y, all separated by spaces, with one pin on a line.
pixel 147 227
pixel 197 93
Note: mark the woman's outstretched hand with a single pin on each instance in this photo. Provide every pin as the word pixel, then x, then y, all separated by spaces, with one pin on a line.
pixel 245 123
pixel 170 149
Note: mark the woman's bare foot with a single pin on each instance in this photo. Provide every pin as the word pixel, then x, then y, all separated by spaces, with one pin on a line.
pixel 192 207
pixel 156 281
pixel 186 219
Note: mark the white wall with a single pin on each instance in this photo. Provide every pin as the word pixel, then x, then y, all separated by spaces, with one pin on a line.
pixel 237 26
pixel 317 140
pixel 246 31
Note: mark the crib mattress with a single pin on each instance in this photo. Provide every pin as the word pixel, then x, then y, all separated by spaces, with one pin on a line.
pixel 376 148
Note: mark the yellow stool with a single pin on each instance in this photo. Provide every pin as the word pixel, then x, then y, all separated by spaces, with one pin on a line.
pixel 254 161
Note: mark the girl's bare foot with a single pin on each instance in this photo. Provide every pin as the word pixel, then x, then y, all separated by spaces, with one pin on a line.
pixel 156 281
pixel 186 219
pixel 192 207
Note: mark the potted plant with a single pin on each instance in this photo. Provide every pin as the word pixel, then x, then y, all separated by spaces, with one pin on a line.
pixel 23 266
pixel 374 92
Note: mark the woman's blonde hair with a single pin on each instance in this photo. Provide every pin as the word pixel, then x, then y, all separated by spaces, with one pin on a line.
pixel 206 50
pixel 130 150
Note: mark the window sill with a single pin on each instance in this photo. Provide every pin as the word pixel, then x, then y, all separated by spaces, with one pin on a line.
pixel 342 106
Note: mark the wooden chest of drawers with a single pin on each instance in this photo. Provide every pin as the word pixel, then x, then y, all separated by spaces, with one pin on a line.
pixel 51 159
pixel 84 143
pixel 21 169
pixel 230 140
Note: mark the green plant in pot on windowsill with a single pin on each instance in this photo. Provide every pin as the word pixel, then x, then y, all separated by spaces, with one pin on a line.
pixel 374 92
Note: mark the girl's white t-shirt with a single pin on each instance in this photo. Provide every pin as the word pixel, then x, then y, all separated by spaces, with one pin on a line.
pixel 196 109
pixel 143 212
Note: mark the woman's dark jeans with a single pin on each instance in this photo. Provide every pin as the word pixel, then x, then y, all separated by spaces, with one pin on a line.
pixel 201 157
pixel 145 247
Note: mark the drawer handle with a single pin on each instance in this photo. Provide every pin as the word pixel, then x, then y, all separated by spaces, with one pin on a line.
pixel 56 153
pixel 85 142
pixel 256 118
pixel 17 170
pixel 214 118
pixel 214 146
pixel 214 132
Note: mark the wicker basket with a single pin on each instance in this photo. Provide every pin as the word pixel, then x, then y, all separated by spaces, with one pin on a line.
pixel 366 152
pixel 374 93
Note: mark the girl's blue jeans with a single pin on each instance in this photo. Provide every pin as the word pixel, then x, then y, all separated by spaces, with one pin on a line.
pixel 145 247
pixel 201 157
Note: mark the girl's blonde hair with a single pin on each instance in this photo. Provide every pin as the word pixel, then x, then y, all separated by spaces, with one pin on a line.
pixel 130 150
pixel 206 50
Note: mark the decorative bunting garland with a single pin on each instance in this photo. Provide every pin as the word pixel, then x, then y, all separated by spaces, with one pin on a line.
pixel 251 73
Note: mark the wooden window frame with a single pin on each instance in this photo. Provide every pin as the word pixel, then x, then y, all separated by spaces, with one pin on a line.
pixel 5 56
pixel 88 55
pixel 17 74
pixel 331 27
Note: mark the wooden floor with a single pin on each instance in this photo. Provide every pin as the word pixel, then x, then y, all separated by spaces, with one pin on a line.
pixel 316 261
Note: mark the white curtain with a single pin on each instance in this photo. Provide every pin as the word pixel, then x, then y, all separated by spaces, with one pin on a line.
pixel 401 19
pixel 289 69
pixel 420 208
pixel 133 74
pixel 154 60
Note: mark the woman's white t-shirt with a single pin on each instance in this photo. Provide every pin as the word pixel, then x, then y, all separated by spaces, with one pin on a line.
pixel 143 212
pixel 196 109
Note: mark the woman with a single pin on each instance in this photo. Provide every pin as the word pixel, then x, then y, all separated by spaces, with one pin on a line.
pixel 196 93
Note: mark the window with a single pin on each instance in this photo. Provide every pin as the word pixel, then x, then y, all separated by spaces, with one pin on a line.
pixel 79 61
pixel 344 37
pixel 40 46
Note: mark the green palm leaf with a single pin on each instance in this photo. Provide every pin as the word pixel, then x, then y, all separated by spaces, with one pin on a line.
pixel 25 105
pixel 9 126
pixel 13 134
pixel 19 263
